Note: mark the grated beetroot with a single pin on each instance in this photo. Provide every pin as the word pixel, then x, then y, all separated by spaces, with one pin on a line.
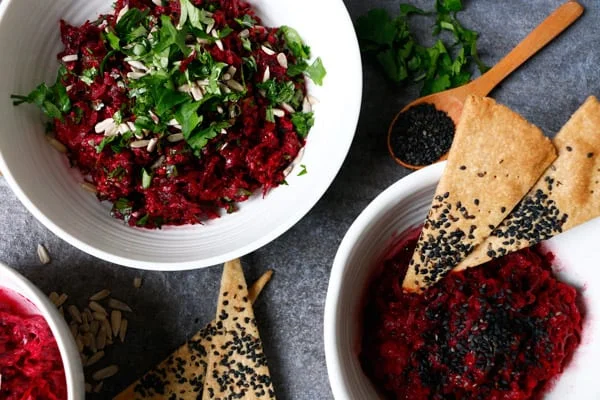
pixel 30 362
pixel 502 330
pixel 185 188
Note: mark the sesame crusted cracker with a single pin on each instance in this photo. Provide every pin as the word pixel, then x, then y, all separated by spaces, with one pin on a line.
pixel 567 195
pixel 495 158
pixel 181 375
pixel 237 366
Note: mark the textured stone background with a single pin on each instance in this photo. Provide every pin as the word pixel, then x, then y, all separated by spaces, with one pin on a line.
pixel 171 306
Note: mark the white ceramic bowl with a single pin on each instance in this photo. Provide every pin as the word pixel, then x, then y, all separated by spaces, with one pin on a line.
pixel 10 279
pixel 43 181
pixel 374 233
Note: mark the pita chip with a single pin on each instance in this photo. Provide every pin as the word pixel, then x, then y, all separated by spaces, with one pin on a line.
pixel 237 366
pixel 181 375
pixel 567 195
pixel 495 159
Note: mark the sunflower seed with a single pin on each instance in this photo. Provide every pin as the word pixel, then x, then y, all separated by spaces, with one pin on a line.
pixel 278 112
pixel 137 282
pixel 244 34
pixel 61 299
pixel 287 107
pixel 104 125
pixel 267 50
pixel 43 254
pixel 267 74
pixel 88 315
pixel 138 144
pixel 185 88
pixel 137 65
pixel 79 343
pixel 58 146
pixel 101 295
pixel 94 327
pixel 123 128
pixel 282 60
pixel 312 100
pixel 98 387
pixel 74 313
pixel 101 338
pixel 219 44
pixel 157 2
pixel 107 330
pixel 122 13
pixel 74 328
pixel 152 145
pixel 231 70
pixel 115 321
pixel 306 106
pixel 176 137
pixel 88 388
pixel 99 316
pixel 70 58
pixel 235 85
pixel 227 76
pixel 196 93
pixel 105 372
pixel 90 341
pixel 118 305
pixel 153 116
pixel 83 358
pixel 94 358
pixel 53 296
pixel 89 187
pixel 95 306
pixel 123 330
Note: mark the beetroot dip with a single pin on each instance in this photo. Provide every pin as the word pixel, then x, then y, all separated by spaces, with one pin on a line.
pixel 502 330
pixel 30 362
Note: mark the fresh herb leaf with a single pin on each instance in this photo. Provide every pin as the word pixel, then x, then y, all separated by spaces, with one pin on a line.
pixel 169 36
pixel 132 19
pixel 409 9
pixel 53 100
pixel 113 40
pixel 246 21
pixel 143 221
pixel 303 171
pixel 246 43
pixel 391 42
pixel 194 15
pixel 303 122
pixel 106 140
pixel 188 118
pixel 297 69
pixel 294 42
pixel 118 117
pixel 269 115
pixel 146 179
pixel 123 206
pixel 316 71
pixel 117 173
pixel 278 92
pixel 199 139
pixel 169 99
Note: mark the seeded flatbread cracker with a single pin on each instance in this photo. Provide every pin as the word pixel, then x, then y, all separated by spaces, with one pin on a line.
pixel 495 158
pixel 237 366
pixel 567 195
pixel 181 375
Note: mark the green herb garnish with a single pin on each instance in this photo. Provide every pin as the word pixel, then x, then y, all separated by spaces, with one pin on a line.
pixel 303 171
pixel 391 42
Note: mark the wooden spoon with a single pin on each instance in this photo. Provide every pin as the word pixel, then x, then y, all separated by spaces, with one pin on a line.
pixel 452 101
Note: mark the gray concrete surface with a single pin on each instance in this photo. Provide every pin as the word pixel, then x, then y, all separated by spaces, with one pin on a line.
pixel 171 306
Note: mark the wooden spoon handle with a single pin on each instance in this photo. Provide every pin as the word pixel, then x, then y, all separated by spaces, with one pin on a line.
pixel 543 34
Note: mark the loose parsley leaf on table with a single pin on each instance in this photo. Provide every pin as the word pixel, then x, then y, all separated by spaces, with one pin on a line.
pixel 391 42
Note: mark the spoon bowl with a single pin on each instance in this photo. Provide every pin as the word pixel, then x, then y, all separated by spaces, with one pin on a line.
pixel 452 101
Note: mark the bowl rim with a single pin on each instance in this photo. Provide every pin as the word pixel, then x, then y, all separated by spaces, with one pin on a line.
pixel 392 195
pixel 352 116
pixel 66 344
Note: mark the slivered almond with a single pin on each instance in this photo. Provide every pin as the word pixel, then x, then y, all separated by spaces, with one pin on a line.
pixel 267 74
pixel 282 60
pixel 43 254
pixel 267 50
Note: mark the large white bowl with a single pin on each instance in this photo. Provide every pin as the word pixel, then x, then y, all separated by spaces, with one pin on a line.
pixel 10 279
pixel 43 181
pixel 372 236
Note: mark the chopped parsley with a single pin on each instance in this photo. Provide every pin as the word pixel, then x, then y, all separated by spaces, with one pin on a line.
pixel 392 44
pixel 303 122
pixel 303 171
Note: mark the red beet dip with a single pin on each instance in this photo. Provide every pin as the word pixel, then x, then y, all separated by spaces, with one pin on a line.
pixel 30 362
pixel 502 330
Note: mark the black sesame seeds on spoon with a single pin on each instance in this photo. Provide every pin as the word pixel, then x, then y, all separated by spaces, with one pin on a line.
pixel 421 135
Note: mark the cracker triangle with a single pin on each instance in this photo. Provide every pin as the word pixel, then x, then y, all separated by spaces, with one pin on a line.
pixel 237 366
pixel 181 375
pixel 567 195
pixel 495 158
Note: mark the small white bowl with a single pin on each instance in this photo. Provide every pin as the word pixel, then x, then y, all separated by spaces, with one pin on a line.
pixel 374 233
pixel 43 181
pixel 12 280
